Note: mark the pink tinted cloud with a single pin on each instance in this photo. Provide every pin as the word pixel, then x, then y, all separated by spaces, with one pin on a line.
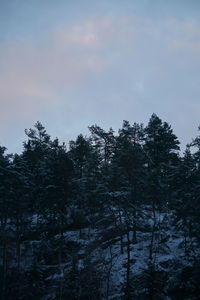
pixel 185 38
pixel 33 72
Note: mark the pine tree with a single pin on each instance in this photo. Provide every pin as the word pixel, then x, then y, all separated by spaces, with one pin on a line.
pixel 161 146
pixel 5 212
pixel 128 167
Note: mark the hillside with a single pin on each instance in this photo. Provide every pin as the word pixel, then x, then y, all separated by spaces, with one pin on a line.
pixel 116 216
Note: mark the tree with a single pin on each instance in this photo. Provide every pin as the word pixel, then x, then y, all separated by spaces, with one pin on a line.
pixel 104 142
pixel 161 146
pixel 84 157
pixel 4 218
pixel 128 166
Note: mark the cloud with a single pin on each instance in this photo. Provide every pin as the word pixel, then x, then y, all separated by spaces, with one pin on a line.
pixel 34 73
pixel 93 68
pixel 31 70
pixel 64 58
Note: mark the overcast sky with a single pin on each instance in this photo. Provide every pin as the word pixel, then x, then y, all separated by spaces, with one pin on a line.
pixel 74 63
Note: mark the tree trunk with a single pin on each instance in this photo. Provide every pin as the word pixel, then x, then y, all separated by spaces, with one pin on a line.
pixel 152 232
pixel 128 268
pixel 4 270
pixel 108 274
pixel 121 233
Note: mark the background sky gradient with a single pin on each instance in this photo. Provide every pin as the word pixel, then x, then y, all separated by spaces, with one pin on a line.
pixel 71 64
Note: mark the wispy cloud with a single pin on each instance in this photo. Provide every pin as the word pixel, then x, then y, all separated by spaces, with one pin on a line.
pixel 108 60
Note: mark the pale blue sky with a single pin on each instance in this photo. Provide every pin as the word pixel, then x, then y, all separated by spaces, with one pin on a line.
pixel 71 64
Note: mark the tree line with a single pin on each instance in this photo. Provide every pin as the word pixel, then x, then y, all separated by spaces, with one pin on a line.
pixel 107 183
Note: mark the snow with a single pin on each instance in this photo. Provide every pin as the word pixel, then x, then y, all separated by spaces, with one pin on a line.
pixel 105 250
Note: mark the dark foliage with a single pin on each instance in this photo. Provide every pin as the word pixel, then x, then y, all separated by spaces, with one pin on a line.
pixel 60 210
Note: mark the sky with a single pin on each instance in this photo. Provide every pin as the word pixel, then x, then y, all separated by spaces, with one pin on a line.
pixel 73 63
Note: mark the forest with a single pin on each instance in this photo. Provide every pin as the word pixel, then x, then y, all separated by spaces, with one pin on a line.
pixel 111 216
